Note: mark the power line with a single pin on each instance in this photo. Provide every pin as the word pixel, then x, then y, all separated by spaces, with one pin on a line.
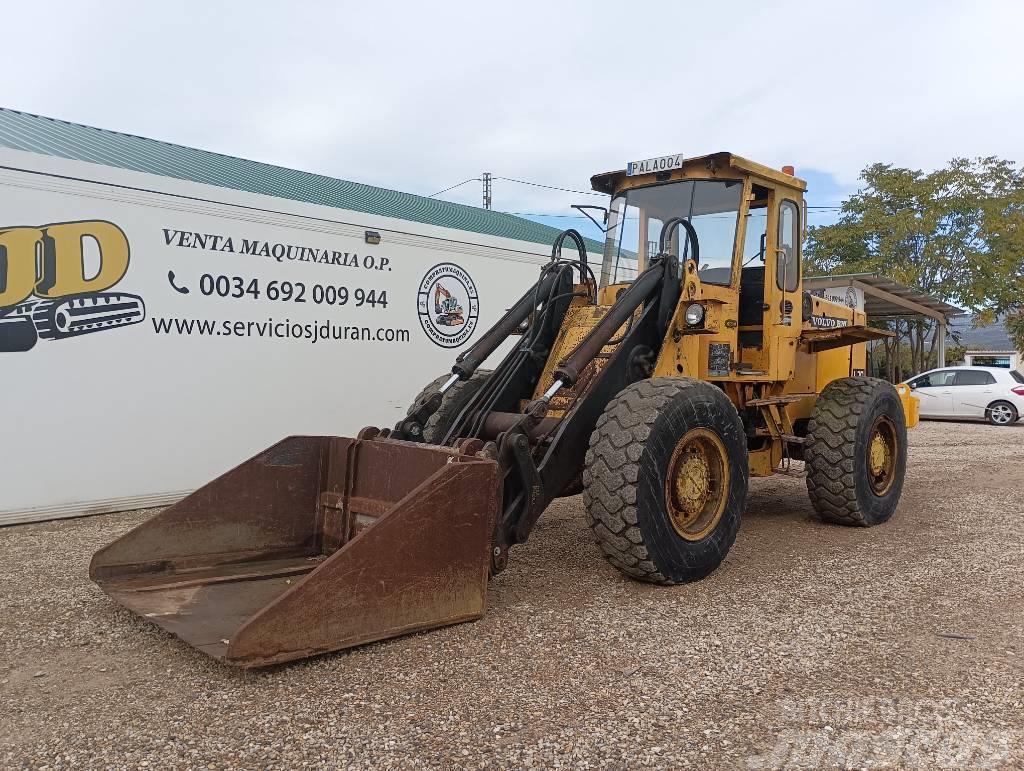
pixel 488 177
pixel 550 187
pixel 538 214
pixel 581 216
pixel 594 192
pixel 463 182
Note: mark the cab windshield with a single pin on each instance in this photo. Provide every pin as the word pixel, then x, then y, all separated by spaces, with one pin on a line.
pixel 637 217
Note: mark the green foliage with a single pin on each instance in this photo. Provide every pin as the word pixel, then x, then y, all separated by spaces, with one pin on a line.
pixel 1015 326
pixel 955 354
pixel 957 233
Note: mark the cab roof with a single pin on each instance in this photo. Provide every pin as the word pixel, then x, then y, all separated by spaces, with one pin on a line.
pixel 610 180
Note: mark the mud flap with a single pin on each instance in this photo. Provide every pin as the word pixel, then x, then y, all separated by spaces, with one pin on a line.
pixel 316 544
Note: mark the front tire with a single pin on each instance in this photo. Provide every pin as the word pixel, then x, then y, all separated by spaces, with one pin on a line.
pixel 665 480
pixel 1001 414
pixel 856 452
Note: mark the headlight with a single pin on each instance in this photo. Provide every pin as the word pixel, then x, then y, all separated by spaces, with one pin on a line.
pixel 694 315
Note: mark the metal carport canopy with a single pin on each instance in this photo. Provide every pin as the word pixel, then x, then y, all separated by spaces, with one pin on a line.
pixel 885 298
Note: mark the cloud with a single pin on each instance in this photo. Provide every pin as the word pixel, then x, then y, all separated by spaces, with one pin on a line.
pixel 418 96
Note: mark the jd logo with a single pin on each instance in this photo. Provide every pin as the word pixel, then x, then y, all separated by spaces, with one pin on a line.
pixel 53 280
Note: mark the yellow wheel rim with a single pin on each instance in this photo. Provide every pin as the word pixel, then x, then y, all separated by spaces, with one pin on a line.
pixel 882 452
pixel 697 484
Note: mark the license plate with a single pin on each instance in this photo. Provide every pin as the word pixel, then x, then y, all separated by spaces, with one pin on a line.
pixel 651 165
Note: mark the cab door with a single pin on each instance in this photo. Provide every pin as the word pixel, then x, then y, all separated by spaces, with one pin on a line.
pixel 782 316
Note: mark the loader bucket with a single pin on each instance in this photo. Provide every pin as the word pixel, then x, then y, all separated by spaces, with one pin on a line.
pixel 314 545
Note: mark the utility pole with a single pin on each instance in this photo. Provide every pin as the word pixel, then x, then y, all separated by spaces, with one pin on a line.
pixel 486 178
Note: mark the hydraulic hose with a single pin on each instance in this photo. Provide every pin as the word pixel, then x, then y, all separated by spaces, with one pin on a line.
pixel 468 361
pixel 581 248
pixel 666 236
pixel 568 370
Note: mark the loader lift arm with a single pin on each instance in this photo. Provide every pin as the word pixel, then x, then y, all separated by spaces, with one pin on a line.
pixel 537 465
pixel 411 549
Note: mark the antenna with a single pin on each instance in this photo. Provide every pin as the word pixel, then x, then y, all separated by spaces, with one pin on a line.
pixel 486 179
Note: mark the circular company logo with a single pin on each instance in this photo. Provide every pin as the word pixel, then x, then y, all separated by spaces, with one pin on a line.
pixel 851 297
pixel 448 305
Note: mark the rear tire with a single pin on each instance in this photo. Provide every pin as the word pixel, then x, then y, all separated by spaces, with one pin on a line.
pixel 1001 414
pixel 665 480
pixel 454 400
pixel 856 452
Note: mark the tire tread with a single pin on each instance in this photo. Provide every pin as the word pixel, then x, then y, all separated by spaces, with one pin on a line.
pixel 830 451
pixel 613 467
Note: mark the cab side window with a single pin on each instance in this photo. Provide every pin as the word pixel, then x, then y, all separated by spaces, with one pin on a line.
pixel 787 261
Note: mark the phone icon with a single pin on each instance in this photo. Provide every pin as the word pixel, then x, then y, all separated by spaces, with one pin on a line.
pixel 170 279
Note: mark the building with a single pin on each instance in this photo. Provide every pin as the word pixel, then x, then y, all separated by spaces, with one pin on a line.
pixel 1007 359
pixel 61 139
pixel 167 312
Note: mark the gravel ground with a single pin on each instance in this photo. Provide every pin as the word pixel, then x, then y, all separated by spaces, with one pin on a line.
pixel 812 646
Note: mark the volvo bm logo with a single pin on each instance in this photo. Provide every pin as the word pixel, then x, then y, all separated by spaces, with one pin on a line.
pixel 448 305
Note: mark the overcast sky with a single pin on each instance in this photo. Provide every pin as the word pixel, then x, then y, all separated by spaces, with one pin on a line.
pixel 417 96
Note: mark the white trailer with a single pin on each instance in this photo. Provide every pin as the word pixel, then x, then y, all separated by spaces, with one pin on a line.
pixel 154 331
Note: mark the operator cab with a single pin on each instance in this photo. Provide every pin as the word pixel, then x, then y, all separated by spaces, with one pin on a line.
pixel 638 215
pixel 747 219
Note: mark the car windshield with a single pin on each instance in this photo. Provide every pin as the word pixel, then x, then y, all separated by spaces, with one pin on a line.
pixel 638 216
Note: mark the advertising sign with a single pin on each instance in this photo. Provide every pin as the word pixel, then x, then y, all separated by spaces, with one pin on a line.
pixel 850 296
pixel 155 333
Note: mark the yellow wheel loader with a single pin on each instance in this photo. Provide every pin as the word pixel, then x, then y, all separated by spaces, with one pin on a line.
pixel 657 396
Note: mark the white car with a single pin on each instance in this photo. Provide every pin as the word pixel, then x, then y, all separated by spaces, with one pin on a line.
pixel 993 393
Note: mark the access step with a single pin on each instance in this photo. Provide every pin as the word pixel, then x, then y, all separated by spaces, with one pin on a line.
pixel 784 399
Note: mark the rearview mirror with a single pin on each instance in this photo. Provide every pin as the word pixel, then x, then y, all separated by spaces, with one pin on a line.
pixel 603 210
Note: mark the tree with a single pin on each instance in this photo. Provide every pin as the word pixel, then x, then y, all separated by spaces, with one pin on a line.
pixel 957 233
pixel 1015 326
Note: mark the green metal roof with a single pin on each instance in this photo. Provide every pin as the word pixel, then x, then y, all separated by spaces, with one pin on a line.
pixel 49 136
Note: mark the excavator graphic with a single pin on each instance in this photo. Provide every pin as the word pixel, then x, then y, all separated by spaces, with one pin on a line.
pixel 449 312
pixel 25 323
